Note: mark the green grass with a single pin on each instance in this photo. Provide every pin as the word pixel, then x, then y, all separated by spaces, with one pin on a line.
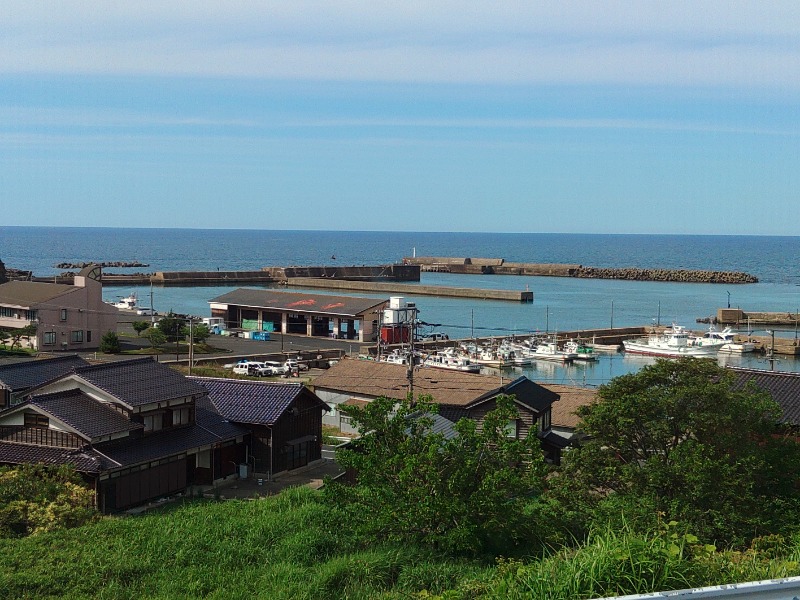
pixel 296 546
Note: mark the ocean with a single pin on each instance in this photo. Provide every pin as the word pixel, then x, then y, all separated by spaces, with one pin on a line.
pixel 560 304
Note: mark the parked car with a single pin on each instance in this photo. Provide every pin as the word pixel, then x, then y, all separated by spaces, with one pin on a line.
pixel 434 337
pixel 246 367
pixel 293 365
pixel 278 368
pixel 144 310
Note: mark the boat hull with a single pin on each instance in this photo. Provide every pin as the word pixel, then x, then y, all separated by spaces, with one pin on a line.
pixel 650 350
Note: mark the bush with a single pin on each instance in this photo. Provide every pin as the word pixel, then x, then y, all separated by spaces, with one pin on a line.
pixel 110 343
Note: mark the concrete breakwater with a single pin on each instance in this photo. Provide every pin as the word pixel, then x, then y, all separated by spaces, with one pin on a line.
pixel 499 266
pixel 410 289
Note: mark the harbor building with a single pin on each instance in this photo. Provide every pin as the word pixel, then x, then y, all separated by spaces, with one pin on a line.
pixel 312 315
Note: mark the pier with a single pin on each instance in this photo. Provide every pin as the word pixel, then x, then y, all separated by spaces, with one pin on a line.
pixel 499 266
pixel 412 290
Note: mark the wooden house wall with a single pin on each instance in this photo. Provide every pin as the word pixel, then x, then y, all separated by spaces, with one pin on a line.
pixel 160 478
pixel 305 426
pixel 526 422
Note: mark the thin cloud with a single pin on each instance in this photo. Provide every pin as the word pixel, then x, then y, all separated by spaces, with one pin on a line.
pixel 749 44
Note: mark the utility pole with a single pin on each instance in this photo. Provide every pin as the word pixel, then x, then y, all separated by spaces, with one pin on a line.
pixel 411 357
pixel 191 344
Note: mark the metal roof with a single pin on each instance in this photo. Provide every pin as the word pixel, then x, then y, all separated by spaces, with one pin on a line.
pixel 23 375
pixel 348 306
pixel 452 388
pixel 31 293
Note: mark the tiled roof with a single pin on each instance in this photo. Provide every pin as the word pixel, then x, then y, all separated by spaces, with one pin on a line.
pixel 251 402
pixel 783 387
pixel 169 442
pixel 140 381
pixel 374 379
pixel 85 461
pixel 349 306
pixel 86 415
pixel 451 388
pixel 207 417
pixel 33 372
pixel 527 392
pixel 570 399
pixel 31 293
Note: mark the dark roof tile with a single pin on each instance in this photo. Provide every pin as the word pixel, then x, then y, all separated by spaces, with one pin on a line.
pixel 87 416
pixel 20 376
pixel 85 461
pixel 252 402
pixel 140 381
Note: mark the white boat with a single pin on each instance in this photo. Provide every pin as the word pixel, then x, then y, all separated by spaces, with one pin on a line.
pixel 728 339
pixel 451 362
pixel 581 351
pixel 673 342
pixel 128 302
pixel 549 350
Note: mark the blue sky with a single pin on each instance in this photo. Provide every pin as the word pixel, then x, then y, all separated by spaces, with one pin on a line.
pixel 618 117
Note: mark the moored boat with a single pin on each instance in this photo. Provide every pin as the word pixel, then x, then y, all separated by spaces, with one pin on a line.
pixel 580 350
pixel 128 302
pixel 728 338
pixel 673 342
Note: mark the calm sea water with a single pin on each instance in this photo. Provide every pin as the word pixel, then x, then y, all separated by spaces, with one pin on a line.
pixel 560 304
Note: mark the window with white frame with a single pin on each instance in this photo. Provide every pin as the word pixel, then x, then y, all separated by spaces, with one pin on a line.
pixel 153 422
pixel 49 338
pixel 63 316
pixel 511 428
pixel 76 337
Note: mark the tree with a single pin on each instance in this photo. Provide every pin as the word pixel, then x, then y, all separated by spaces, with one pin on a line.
pixel 109 343
pixel 464 493
pixel 172 326
pixel 156 337
pixel 200 333
pixel 140 326
pixel 16 335
pixel 681 439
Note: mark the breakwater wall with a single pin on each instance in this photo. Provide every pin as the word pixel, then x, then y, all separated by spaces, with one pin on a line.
pixel 738 317
pixel 498 266
pixel 409 289
pixel 264 276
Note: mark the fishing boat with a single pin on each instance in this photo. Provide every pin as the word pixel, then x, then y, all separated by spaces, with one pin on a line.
pixel 549 350
pixel 128 302
pixel 451 362
pixel 581 351
pixel 728 338
pixel 673 342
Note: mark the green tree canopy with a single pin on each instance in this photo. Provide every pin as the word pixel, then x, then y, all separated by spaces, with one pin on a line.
pixel 173 327
pixel 463 493
pixel 140 326
pixel 155 336
pixel 680 438
pixel 109 343
pixel 200 333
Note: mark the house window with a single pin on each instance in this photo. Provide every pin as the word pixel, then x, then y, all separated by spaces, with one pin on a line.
pixel 544 421
pixel 511 428
pixel 36 420
pixel 153 422
pixel 63 314
pixel 49 338
pixel 181 416
pixel 76 337
pixel 89 335
pixel 5 311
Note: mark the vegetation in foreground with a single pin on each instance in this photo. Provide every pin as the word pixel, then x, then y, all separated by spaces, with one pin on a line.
pixel 682 484
pixel 297 546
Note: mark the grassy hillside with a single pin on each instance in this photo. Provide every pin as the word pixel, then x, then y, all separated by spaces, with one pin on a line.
pixel 295 546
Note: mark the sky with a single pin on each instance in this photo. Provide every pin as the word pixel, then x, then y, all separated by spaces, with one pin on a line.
pixel 572 116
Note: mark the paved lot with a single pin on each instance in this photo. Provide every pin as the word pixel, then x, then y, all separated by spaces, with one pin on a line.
pixel 311 476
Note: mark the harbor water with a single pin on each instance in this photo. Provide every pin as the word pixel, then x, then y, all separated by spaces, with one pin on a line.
pixel 560 304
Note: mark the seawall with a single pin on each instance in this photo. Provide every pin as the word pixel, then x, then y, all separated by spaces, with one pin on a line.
pixel 498 266
pixel 413 290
